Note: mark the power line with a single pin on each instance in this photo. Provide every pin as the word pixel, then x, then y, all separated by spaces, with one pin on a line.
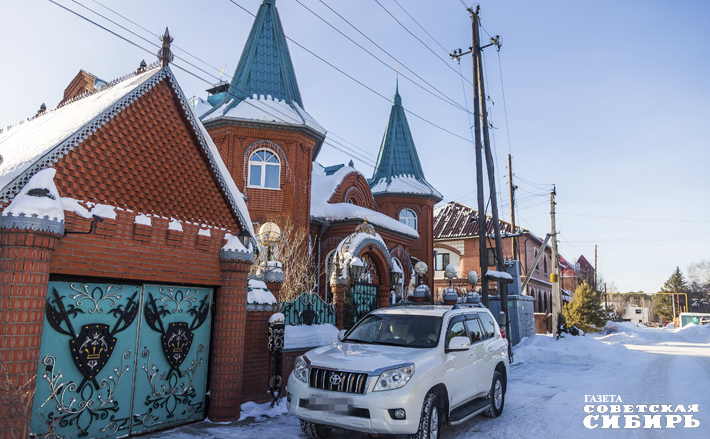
pixel 418 39
pixel 421 27
pixel 443 96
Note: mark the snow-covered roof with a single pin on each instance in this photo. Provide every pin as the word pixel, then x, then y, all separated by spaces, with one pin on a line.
pixel 39 143
pixel 263 109
pixel 36 140
pixel 324 186
pixel 404 184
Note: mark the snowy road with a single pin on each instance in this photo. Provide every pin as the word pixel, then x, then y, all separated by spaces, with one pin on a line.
pixel 646 368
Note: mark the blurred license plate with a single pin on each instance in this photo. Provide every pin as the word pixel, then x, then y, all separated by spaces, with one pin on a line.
pixel 339 406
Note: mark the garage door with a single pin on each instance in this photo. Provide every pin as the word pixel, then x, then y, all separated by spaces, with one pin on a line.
pixel 120 359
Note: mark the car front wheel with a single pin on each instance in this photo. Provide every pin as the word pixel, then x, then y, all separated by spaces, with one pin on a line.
pixel 496 396
pixel 430 421
pixel 315 431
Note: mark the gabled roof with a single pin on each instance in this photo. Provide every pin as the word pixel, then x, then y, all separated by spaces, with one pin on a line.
pixel 264 86
pixel 454 220
pixel 584 264
pixel 325 181
pixel 42 141
pixel 398 170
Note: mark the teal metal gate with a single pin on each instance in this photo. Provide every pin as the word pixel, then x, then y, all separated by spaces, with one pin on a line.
pixel 360 300
pixel 121 359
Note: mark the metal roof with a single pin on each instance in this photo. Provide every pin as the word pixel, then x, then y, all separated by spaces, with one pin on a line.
pixel 398 155
pixel 265 67
pixel 454 220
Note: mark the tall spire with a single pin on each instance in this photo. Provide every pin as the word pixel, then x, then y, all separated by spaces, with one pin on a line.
pixel 398 158
pixel 265 67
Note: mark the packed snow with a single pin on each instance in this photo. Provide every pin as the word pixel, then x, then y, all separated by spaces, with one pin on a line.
pixel 550 384
pixel 304 336
pixel 46 202
pixel 258 292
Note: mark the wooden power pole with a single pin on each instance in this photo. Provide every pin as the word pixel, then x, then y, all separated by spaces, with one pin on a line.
pixel 555 275
pixel 512 189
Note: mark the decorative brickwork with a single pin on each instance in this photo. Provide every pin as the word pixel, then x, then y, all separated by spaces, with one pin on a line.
pixel 147 159
pixel 24 275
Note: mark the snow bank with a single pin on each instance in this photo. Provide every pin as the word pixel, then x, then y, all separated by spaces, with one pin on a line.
pixel 303 336
pixel 568 350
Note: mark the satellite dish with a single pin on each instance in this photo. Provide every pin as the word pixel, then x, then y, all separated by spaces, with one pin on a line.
pixel 269 233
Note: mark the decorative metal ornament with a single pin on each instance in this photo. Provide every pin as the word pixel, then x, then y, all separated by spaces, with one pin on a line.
pixel 91 348
pixel 176 339
pixel 165 55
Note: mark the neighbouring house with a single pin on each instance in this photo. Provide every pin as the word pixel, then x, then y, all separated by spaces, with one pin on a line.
pixel 635 314
pixel 123 282
pixel 574 274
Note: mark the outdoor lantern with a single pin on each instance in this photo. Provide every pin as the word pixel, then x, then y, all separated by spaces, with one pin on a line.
pixel 245 238
pixel 450 272
pixel 473 278
pixel 355 269
pixel 395 276
pixel 420 268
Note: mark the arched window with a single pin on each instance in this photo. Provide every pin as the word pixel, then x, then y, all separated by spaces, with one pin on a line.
pixel 408 217
pixel 264 170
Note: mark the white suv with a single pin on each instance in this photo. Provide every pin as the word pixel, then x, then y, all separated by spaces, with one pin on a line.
pixel 403 370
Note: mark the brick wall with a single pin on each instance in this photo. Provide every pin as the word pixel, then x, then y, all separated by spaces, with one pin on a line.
pixel 258 367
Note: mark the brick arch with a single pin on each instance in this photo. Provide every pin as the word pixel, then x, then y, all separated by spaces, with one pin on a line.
pixel 354 192
pixel 275 148
pixel 380 256
pixel 327 246
pixel 354 180
pixel 447 247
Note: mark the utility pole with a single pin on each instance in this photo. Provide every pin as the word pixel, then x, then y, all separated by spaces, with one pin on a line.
pixel 596 278
pixel 512 207
pixel 555 275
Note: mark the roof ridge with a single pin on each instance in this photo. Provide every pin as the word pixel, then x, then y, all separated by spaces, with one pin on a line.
pixel 87 93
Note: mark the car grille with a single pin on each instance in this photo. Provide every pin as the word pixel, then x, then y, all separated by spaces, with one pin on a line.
pixel 348 382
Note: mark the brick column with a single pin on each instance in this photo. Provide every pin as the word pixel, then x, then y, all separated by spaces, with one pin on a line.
pixel 338 291
pixel 24 276
pixel 227 355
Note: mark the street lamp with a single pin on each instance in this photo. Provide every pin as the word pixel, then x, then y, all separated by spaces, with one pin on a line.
pixel 395 277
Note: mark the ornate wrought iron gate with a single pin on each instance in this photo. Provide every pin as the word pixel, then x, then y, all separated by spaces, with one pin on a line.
pixel 121 359
pixel 361 299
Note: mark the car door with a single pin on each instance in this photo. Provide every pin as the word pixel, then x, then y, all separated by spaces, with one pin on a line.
pixel 459 377
pixel 477 354
pixel 495 347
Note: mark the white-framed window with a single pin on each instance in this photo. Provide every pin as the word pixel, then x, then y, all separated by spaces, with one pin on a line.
pixel 264 170
pixel 408 217
pixel 441 260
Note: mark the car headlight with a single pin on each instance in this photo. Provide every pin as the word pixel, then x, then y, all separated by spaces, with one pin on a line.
pixel 300 369
pixel 394 378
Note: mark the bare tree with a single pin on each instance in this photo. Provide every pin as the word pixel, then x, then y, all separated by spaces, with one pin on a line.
pixel 293 250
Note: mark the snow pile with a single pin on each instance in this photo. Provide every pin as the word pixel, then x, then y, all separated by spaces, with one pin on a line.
pixel 234 244
pixel 568 350
pixel 303 336
pixel 261 412
pixel 258 292
pixel 39 198
pixel 143 220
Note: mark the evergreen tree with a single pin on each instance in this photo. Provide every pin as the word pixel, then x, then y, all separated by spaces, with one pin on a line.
pixel 585 311
pixel 675 284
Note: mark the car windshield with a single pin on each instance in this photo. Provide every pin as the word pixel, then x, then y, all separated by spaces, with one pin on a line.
pixel 397 330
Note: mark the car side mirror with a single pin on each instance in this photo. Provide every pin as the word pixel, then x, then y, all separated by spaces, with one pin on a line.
pixel 341 334
pixel 459 344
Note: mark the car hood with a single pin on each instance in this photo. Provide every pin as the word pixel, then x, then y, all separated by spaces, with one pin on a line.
pixel 360 357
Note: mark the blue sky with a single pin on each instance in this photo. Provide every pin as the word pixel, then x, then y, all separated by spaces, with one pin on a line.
pixel 608 100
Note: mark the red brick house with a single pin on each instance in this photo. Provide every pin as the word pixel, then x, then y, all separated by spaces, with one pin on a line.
pixel 271 145
pixel 115 208
pixel 456 242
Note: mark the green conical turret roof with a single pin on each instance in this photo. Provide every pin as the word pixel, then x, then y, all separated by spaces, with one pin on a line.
pixel 265 67
pixel 398 169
